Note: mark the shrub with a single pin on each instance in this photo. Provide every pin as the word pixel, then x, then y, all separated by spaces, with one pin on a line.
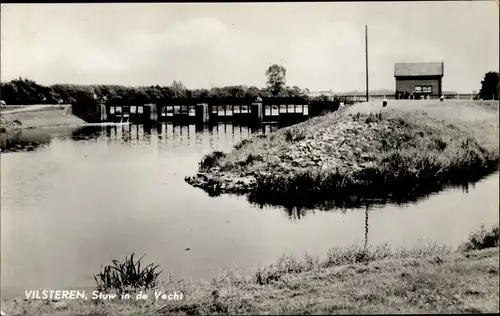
pixel 121 276
pixel 482 239
pixel 211 160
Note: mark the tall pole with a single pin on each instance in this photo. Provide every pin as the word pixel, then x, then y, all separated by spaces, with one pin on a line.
pixel 366 62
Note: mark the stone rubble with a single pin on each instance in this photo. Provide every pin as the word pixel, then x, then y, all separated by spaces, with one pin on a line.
pixel 348 144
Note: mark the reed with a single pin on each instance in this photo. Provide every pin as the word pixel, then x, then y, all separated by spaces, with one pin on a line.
pixel 127 275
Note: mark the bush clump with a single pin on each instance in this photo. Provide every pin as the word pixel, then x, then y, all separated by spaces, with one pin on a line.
pixel 482 239
pixel 211 160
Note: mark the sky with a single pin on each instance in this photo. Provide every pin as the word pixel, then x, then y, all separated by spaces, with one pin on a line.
pixel 321 45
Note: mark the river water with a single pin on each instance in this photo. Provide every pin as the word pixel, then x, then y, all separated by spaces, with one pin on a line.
pixel 80 197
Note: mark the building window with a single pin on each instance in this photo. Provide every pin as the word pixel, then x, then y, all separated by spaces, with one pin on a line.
pixel 118 109
pixel 140 109
pixel 133 109
pixel 236 109
pixel 423 89
pixel 244 109
pixel 283 108
pixel 163 111
pixel 291 108
pixel 298 108
pixel 112 110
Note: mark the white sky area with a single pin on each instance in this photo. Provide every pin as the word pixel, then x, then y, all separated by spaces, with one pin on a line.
pixel 217 44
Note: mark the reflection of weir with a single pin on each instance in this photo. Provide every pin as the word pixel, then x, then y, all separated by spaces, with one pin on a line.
pixel 126 132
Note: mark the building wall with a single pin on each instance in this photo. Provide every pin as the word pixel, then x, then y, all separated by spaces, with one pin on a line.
pixel 408 84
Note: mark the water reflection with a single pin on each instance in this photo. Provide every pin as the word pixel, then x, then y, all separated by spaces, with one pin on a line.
pixel 114 190
pixel 297 206
pixel 31 139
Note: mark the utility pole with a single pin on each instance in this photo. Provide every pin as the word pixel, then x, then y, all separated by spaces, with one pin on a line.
pixel 366 61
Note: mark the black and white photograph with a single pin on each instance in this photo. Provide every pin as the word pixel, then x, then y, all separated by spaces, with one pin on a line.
pixel 249 158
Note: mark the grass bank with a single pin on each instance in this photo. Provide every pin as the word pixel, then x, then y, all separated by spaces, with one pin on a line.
pixel 37 116
pixel 354 280
pixel 362 153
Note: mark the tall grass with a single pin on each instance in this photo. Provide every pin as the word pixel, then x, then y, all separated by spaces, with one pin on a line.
pixel 127 275
pixel 342 256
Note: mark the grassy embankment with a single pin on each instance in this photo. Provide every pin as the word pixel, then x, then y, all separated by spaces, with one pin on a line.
pixel 366 152
pixel 37 116
pixel 354 280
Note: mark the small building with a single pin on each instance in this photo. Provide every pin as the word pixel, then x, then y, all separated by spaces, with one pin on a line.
pixel 418 80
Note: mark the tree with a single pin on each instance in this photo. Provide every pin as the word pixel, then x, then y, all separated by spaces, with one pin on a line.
pixel 178 89
pixel 276 78
pixel 489 86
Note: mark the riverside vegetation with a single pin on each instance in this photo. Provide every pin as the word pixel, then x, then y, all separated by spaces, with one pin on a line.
pixel 361 154
pixel 352 280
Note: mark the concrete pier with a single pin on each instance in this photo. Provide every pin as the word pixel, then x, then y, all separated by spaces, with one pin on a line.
pixel 257 111
pixel 153 113
pixel 203 113
pixel 104 112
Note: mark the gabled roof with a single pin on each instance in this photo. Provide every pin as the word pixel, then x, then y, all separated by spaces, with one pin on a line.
pixel 418 69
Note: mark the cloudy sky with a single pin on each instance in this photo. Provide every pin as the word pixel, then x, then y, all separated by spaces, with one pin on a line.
pixel 216 44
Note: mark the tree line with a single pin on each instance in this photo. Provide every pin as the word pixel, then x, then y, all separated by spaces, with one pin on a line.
pixel 23 91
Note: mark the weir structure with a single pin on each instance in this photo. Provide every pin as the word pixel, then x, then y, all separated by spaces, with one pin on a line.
pixel 233 110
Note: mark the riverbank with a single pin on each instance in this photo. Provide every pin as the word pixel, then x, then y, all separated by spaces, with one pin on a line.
pixel 355 280
pixel 362 153
pixel 37 116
